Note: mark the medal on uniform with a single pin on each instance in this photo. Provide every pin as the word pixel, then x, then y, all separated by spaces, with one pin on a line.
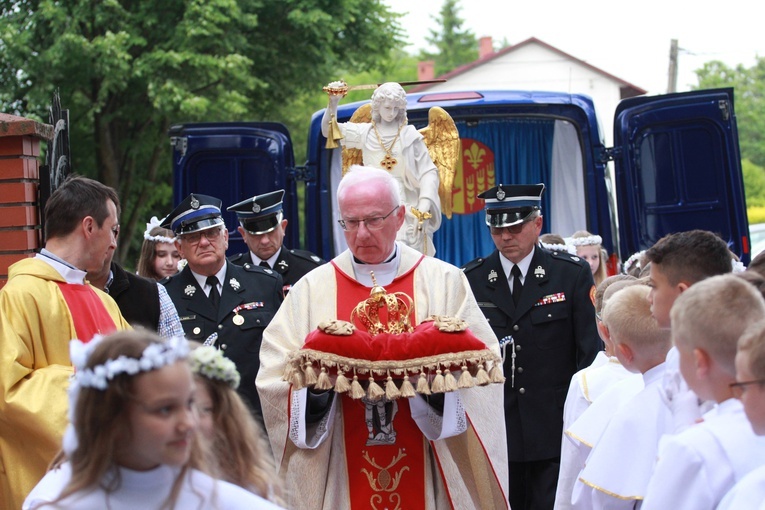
pixel 234 283
pixel 238 319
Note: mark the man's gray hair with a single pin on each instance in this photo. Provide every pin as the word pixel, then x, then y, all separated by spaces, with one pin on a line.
pixel 358 174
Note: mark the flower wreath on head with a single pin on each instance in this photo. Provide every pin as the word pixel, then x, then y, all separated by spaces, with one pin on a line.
pixel 154 356
pixel 584 241
pixel 154 222
pixel 560 247
pixel 634 259
pixel 209 362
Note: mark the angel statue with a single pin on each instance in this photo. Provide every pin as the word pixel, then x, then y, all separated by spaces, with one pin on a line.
pixel 423 161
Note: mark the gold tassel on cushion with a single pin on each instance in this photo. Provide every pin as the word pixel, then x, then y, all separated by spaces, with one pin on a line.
pixel 341 383
pixel 496 374
pixel 289 372
pixel 466 380
pixel 357 392
pixel 422 384
pixel 407 390
pixel 450 383
pixel 323 383
pixel 297 380
pixel 482 377
pixel 374 392
pixel 391 392
pixel 310 374
pixel 437 386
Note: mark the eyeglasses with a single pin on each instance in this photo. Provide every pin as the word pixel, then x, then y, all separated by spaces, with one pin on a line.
pixel 738 387
pixel 375 223
pixel 212 235
pixel 513 229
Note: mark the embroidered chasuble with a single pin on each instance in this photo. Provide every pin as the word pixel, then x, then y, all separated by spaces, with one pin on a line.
pixel 88 313
pixel 385 448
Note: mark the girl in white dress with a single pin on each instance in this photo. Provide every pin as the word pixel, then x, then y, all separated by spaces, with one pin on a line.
pixel 131 442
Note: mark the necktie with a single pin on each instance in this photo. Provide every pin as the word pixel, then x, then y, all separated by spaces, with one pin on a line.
pixel 214 294
pixel 263 263
pixel 517 285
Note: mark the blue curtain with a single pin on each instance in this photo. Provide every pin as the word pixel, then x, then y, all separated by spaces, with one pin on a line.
pixel 522 155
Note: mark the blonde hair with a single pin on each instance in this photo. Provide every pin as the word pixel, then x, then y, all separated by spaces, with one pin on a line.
pixel 600 274
pixel 753 342
pixel 713 314
pixel 600 291
pixel 101 420
pixel 239 446
pixel 627 314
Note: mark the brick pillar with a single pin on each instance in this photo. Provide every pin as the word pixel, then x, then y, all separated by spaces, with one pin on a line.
pixel 426 70
pixel 19 179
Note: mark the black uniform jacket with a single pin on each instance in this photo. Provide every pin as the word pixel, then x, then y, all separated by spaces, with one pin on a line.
pixel 553 334
pixel 137 297
pixel 255 291
pixel 291 264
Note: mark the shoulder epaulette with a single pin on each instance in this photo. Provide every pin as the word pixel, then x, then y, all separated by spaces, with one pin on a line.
pixel 568 257
pixel 307 255
pixel 252 268
pixel 473 264
pixel 235 258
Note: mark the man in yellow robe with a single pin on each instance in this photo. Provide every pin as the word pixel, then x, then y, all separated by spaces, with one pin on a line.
pixel 45 304
pixel 464 471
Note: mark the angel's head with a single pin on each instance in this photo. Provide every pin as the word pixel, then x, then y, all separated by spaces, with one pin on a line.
pixel 389 103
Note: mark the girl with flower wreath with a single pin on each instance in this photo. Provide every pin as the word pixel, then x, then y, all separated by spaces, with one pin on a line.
pixel 131 442
pixel 589 247
pixel 236 439
pixel 159 256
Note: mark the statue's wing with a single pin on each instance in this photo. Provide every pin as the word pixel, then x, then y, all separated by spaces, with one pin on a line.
pixel 363 114
pixel 443 142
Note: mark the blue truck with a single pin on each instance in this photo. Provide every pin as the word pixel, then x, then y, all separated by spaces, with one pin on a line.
pixel 675 165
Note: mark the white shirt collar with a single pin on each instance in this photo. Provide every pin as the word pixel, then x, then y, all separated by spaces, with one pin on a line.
pixel 67 271
pixel 385 272
pixel 202 280
pixel 523 265
pixel 271 261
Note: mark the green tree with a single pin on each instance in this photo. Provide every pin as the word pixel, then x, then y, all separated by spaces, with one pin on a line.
pixel 754 183
pixel 127 70
pixel 454 45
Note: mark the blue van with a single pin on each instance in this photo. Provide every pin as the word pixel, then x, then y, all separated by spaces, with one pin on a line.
pixel 676 166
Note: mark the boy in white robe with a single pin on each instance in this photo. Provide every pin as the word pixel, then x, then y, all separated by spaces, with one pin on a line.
pixel 697 466
pixel 749 388
pixel 586 386
pixel 617 470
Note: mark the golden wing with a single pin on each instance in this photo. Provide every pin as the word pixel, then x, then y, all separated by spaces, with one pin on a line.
pixel 443 142
pixel 353 156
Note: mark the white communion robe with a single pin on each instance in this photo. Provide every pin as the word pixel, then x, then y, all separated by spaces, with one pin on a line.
pixel 748 494
pixel 698 466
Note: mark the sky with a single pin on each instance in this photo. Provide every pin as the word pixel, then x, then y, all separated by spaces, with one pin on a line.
pixel 628 40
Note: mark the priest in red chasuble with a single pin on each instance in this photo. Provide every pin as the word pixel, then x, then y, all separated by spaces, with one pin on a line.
pixel 388 405
pixel 46 303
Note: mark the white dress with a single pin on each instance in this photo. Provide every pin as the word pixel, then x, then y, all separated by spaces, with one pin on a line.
pixel 748 494
pixel 146 490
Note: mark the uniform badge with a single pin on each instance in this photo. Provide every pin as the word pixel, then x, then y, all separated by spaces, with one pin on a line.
pixel 539 272
pixel 492 276
pixel 592 295
pixel 197 330
pixel 234 283
pixel 500 194
pixel 283 264
pixel 255 207
pixel 189 290
pixel 194 202
pixel 238 320
pixel 315 258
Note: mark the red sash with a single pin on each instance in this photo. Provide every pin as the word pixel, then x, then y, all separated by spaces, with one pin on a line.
pixel 88 312
pixel 385 450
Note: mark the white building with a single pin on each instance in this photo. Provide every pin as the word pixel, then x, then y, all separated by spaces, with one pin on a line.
pixel 535 65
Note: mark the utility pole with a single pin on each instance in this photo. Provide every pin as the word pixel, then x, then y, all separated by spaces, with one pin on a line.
pixel 672 82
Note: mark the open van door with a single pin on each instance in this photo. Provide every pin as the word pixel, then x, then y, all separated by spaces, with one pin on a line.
pixel 678 167
pixel 234 161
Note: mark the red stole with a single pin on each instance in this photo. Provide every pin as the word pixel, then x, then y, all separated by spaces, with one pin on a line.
pixel 385 450
pixel 88 312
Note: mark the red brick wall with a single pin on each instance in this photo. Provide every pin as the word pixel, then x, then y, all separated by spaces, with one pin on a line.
pixel 19 179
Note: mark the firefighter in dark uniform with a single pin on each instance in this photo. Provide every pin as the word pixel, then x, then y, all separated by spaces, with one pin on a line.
pixel 262 226
pixel 220 303
pixel 539 304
